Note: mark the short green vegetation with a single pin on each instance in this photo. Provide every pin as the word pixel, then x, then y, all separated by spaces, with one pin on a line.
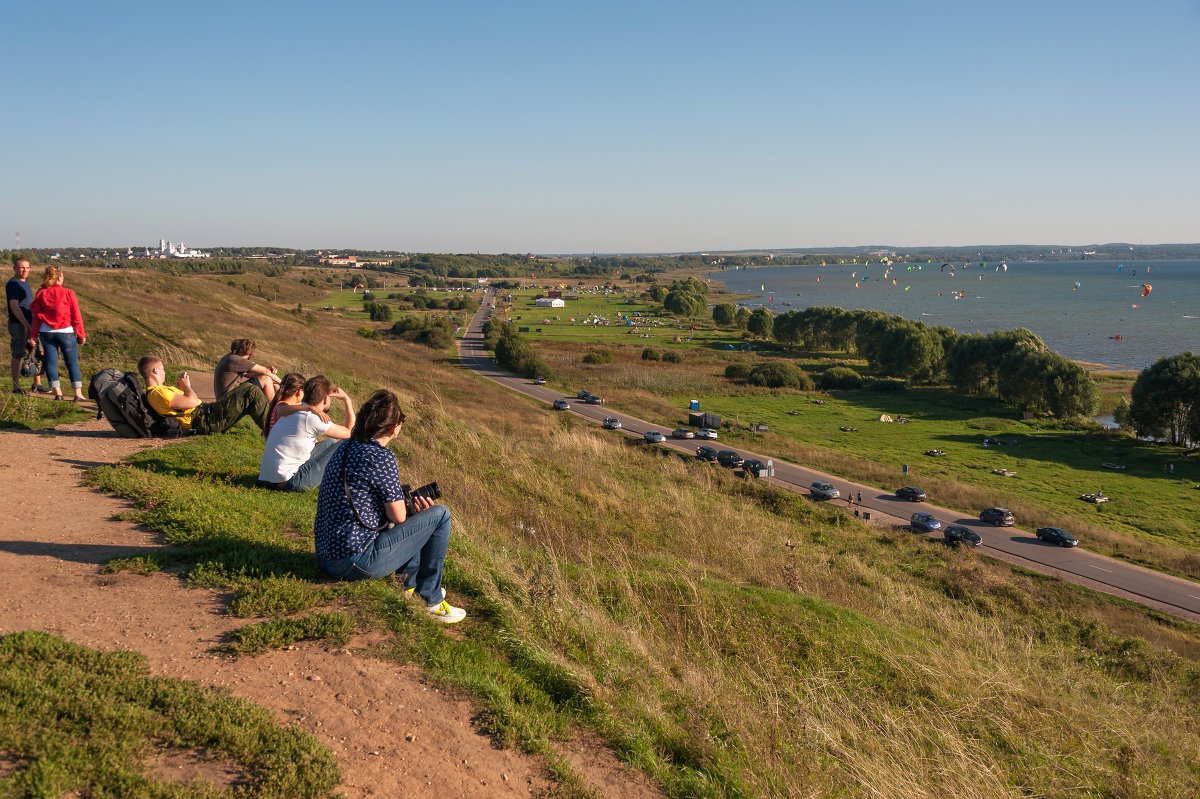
pixel 77 722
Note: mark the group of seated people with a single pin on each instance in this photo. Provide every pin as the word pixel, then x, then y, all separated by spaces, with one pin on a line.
pixel 367 526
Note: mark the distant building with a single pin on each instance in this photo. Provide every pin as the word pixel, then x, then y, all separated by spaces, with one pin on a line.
pixel 339 260
pixel 549 302
pixel 168 249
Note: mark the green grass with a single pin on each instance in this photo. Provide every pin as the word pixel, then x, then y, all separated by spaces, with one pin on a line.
pixel 37 412
pixel 755 645
pixel 78 722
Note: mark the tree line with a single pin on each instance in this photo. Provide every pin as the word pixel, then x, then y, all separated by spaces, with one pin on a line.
pixel 1013 365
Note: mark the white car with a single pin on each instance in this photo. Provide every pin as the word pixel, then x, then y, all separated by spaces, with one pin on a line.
pixel 683 432
pixel 562 405
pixel 611 423
pixel 655 437
pixel 820 490
pixel 705 432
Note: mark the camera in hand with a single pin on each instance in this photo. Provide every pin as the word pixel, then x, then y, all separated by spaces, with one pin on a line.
pixel 429 491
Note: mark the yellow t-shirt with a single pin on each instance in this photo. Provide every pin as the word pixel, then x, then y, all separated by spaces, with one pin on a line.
pixel 160 398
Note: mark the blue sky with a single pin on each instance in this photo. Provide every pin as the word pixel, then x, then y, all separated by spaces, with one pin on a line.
pixel 608 127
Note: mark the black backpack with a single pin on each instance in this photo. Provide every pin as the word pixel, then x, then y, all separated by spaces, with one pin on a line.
pixel 121 400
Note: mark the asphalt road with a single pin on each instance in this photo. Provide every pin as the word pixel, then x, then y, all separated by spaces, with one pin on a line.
pixel 1012 544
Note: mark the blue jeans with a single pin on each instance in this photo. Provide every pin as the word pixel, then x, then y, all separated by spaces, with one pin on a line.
pixel 52 343
pixel 417 547
pixel 309 475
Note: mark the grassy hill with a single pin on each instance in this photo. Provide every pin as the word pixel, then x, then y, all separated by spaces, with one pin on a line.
pixel 725 637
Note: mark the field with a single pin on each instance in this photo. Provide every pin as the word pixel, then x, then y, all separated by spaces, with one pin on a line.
pixel 1150 520
pixel 727 638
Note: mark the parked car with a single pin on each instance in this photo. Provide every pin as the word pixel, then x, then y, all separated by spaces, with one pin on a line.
pixel 562 405
pixel 683 432
pixel 924 523
pixel 539 381
pixel 706 453
pixel 753 467
pixel 729 459
pixel 956 534
pixel 708 433
pixel 592 399
pixel 583 393
pixel 1056 535
pixel 911 493
pixel 655 437
pixel 820 490
pixel 997 517
pixel 611 423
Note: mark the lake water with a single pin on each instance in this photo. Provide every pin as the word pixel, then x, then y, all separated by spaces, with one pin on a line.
pixel 1080 322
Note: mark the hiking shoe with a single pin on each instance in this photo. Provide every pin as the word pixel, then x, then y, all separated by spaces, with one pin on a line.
pixel 39 388
pixel 446 613
pixel 20 391
pixel 412 592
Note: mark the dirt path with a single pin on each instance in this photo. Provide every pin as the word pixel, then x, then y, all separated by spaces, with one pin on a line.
pixel 393 734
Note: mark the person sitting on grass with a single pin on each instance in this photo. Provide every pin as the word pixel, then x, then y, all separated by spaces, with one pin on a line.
pixel 292 459
pixel 363 529
pixel 202 418
pixel 287 399
pixel 236 368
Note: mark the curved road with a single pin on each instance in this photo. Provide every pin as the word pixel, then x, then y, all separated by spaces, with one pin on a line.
pixel 1161 591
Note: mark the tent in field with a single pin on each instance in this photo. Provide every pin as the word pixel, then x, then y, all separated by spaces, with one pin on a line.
pixel 883 417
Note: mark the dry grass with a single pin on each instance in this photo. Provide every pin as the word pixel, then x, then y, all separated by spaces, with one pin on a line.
pixel 735 640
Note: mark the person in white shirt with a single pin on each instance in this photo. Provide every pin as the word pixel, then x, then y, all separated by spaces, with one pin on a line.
pixel 293 460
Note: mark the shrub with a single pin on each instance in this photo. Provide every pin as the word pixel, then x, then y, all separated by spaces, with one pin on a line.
pixel 840 377
pixel 888 385
pixel 670 356
pixel 598 357
pixel 367 332
pixel 432 331
pixel 378 311
pixel 778 374
pixel 739 372
pixel 649 354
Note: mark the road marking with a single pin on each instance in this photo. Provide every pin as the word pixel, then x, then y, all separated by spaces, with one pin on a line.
pixel 1193 596
pixel 1094 566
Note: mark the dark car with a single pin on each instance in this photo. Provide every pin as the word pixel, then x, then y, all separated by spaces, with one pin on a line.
pixel 583 393
pixel 956 534
pixel 730 459
pixel 592 399
pixel 997 517
pixel 706 453
pixel 911 493
pixel 924 523
pixel 1056 535
pixel 754 467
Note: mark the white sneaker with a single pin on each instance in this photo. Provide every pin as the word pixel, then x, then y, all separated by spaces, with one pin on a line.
pixel 412 592
pixel 446 613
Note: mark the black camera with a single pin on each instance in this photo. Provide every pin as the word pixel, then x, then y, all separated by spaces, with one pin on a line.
pixel 430 491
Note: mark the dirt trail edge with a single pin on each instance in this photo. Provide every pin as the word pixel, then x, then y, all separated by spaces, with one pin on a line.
pixel 392 733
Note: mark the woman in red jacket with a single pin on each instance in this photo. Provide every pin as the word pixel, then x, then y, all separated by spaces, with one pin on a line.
pixel 58 324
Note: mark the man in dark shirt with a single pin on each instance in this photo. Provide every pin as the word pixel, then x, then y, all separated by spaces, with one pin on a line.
pixel 18 296
pixel 237 368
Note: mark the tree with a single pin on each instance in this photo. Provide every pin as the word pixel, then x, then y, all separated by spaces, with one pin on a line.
pixel 737 372
pixel 724 313
pixel 650 354
pixel 760 323
pixel 1165 401
pixel 658 293
pixel 779 374
pixel 742 317
pixel 687 297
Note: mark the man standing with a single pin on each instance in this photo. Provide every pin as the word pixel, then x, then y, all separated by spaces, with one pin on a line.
pixel 19 297
pixel 292 459
pixel 199 417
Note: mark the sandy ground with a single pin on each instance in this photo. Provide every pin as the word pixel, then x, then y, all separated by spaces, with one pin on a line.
pixel 392 733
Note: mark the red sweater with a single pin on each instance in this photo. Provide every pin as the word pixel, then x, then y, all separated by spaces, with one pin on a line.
pixel 55 308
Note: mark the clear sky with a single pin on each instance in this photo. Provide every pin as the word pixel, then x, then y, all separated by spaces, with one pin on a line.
pixel 599 126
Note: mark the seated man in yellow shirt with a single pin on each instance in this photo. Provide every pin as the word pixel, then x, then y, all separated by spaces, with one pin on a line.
pixel 200 417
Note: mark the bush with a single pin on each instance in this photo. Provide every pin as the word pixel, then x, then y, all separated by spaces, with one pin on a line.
pixel 368 333
pixel 432 331
pixel 888 386
pixel 598 357
pixel 840 377
pixel 649 354
pixel 778 374
pixel 739 372
pixel 378 311
pixel 670 356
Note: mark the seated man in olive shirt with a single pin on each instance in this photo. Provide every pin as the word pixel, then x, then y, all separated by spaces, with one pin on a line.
pixel 236 368
pixel 200 417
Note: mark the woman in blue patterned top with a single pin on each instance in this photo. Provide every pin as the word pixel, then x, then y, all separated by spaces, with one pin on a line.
pixel 363 530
